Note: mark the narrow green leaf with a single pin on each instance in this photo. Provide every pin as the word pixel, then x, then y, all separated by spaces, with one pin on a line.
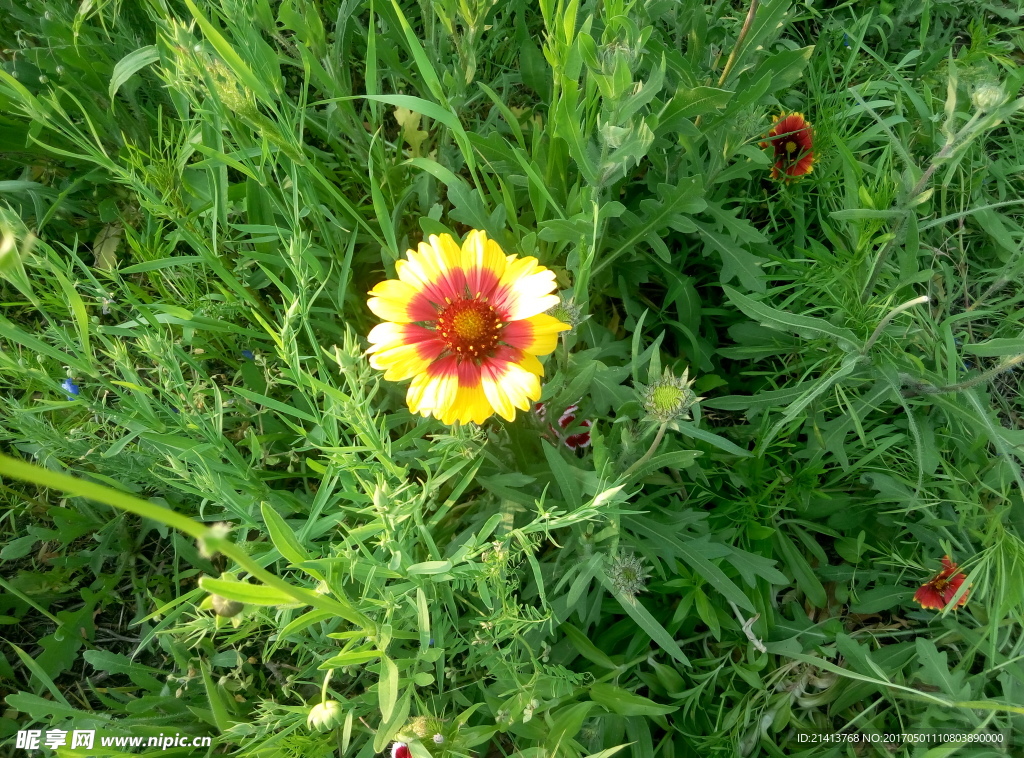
pixel 636 611
pixel 564 477
pixel 801 569
pixel 228 54
pixel 130 65
pixel 804 326
pixel 283 538
pixel 243 592
pixel 387 688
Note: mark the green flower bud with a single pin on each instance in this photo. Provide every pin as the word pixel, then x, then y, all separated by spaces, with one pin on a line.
pixel 988 96
pixel 670 397
pixel 224 607
pixel 628 574
pixel 567 312
pixel 325 715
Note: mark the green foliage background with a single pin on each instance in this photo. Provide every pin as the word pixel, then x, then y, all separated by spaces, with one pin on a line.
pixel 195 197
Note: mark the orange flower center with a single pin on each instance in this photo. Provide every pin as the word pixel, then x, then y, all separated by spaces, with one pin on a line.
pixel 940 584
pixel 791 147
pixel 469 327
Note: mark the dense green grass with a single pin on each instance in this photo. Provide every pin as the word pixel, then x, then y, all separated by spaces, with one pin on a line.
pixel 196 196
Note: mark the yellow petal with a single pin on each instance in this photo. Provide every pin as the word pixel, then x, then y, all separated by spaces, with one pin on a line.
pixel 390 300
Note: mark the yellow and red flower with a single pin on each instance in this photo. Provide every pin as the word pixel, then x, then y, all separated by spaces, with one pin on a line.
pixel 466 324
pixel 936 593
pixel 793 143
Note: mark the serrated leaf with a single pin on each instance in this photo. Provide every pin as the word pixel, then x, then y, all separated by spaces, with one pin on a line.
pixel 880 598
pixel 736 262
pixel 684 198
pixel 698 101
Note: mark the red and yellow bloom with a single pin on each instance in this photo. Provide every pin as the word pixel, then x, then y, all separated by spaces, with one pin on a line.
pixel 936 593
pixel 466 324
pixel 793 143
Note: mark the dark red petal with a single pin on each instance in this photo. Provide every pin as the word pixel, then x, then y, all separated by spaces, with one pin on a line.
pixel 951 588
pixel 576 441
pixel 929 597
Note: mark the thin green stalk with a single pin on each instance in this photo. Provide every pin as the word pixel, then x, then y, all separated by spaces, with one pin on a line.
pixel 906 207
pixel 891 315
pixel 650 451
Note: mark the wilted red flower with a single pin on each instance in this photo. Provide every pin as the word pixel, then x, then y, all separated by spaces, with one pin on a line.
pixel 936 593
pixel 565 421
pixel 580 439
pixel 793 142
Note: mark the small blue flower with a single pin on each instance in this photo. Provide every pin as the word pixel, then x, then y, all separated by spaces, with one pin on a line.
pixel 69 387
pixel 248 355
pixel 846 39
pixel 431 643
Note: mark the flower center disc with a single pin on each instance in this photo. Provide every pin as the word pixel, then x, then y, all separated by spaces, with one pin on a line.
pixel 667 398
pixel 791 147
pixel 470 328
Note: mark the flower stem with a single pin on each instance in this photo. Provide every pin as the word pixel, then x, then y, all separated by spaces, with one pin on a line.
pixel 975 380
pixel 734 55
pixel 323 690
pixel 891 315
pixel 907 205
pixel 650 451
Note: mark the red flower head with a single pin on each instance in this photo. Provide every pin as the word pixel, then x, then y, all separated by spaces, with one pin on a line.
pixel 936 593
pixel 400 750
pixel 793 142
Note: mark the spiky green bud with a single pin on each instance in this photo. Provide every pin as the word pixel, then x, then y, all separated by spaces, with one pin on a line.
pixel 670 397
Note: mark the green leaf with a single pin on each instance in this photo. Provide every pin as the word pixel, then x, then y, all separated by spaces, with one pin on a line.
pixel 430 567
pixel 130 65
pixel 880 598
pixel 228 54
pixel 736 262
pixel 564 477
pixel 276 405
pixel 997 348
pixel 636 611
pixel 935 670
pixel 672 210
pixel 785 67
pixel 625 703
pixel 803 326
pixel 802 572
pixel 566 724
pixel 38 672
pixel 698 101
pixel 221 718
pixel 243 592
pixel 585 647
pixel 283 537
pixel 689 429
pixel 567 126
pixel 387 688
